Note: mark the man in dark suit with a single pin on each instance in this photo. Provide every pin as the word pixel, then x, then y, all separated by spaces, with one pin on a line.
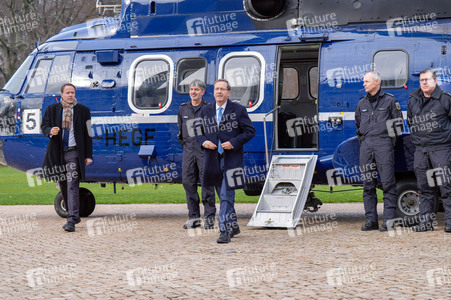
pixel 67 124
pixel 224 155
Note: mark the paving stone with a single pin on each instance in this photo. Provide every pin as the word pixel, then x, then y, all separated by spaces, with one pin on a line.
pixel 142 252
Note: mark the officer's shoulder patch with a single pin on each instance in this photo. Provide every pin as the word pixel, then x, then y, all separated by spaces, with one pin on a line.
pixel 186 103
pixel 398 107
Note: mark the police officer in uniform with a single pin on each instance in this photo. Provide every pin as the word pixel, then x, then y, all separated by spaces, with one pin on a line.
pixel 376 116
pixel 193 160
pixel 429 117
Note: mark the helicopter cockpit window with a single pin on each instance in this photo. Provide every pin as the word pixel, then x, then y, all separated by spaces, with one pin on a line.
pixel 151 84
pixel 392 65
pixel 36 84
pixel 58 74
pixel 15 83
pixel 246 77
pixel 189 69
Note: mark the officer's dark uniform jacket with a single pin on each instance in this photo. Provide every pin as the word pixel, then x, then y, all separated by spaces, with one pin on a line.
pixel 373 121
pixel 190 146
pixel 430 120
pixel 186 112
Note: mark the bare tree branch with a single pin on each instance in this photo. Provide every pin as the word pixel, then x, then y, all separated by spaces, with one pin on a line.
pixel 23 22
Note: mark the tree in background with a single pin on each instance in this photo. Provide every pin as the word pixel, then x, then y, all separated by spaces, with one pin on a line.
pixel 24 22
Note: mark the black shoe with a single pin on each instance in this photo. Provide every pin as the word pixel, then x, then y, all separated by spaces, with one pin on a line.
pixel 423 227
pixel 69 226
pixel 370 225
pixel 209 224
pixel 223 238
pixel 384 227
pixel 235 231
pixel 448 227
pixel 193 223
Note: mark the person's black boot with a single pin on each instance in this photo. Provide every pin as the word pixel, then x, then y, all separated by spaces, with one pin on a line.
pixel 370 225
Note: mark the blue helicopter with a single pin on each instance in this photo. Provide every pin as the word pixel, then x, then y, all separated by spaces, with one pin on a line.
pixel 297 66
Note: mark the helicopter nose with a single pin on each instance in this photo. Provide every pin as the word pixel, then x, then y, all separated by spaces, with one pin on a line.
pixel 2 157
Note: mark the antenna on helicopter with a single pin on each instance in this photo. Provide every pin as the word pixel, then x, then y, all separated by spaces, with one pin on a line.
pixel 36 44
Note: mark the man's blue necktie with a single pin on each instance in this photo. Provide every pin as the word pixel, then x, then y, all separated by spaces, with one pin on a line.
pixel 220 149
pixel 65 139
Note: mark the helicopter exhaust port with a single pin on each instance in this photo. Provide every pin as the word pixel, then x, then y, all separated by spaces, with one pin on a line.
pixel 264 10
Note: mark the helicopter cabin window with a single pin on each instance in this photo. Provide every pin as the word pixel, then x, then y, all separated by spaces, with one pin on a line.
pixel 290 87
pixel 313 82
pixel 246 77
pixel 58 74
pixel 392 65
pixel 36 84
pixel 189 69
pixel 151 87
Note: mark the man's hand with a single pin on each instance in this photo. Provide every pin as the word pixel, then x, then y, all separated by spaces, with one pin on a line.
pixel 88 161
pixel 54 131
pixel 209 145
pixel 227 146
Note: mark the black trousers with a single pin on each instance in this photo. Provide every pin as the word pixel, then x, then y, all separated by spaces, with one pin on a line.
pixel 192 168
pixel 377 157
pixel 433 170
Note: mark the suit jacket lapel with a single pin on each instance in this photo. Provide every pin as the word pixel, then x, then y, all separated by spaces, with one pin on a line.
pixel 59 116
pixel 75 116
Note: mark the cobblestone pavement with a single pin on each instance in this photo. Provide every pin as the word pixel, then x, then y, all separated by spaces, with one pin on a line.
pixel 142 252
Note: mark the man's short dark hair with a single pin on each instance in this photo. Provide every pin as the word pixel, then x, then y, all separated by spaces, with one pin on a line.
pixel 425 71
pixel 198 83
pixel 67 84
pixel 223 80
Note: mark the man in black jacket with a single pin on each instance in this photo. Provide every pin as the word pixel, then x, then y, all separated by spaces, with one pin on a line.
pixel 376 116
pixel 67 124
pixel 193 159
pixel 429 117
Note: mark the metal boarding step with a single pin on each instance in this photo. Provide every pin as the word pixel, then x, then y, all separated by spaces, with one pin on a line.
pixel 285 191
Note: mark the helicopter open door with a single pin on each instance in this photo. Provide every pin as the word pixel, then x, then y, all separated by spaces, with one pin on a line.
pixel 298 98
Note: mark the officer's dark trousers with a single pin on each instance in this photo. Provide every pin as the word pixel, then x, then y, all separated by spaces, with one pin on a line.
pixel 377 156
pixel 433 169
pixel 192 168
pixel 70 186
pixel 192 200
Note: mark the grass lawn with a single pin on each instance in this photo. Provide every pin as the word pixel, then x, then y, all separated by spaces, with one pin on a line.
pixel 14 190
